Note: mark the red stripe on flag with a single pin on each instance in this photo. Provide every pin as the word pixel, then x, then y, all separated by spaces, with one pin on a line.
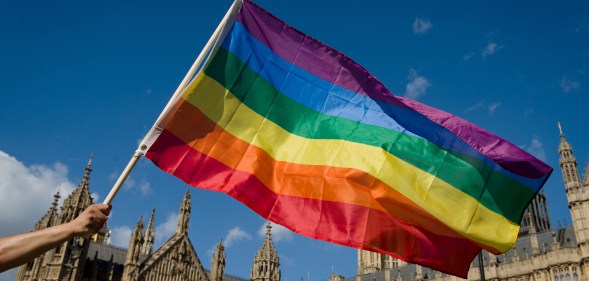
pixel 346 224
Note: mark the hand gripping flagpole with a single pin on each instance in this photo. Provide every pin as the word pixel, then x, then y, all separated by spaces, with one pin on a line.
pixel 229 16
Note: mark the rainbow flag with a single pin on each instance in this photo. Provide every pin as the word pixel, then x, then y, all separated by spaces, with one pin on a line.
pixel 308 139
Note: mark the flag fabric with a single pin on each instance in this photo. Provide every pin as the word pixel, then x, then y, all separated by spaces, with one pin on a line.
pixel 308 139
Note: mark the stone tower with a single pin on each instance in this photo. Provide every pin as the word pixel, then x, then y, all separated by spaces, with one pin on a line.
pixel 266 263
pixel 67 260
pixel 218 264
pixel 132 262
pixel 568 165
pixel 577 195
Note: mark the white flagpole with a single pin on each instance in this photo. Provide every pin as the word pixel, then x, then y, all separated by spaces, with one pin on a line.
pixel 231 13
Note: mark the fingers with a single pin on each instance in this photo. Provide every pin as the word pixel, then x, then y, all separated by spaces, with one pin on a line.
pixel 105 209
pixel 100 215
pixel 93 219
pixel 96 225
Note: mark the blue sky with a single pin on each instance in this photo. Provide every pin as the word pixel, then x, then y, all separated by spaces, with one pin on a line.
pixel 83 77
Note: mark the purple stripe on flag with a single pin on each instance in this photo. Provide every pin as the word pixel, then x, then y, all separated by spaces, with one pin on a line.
pixel 501 151
pixel 335 67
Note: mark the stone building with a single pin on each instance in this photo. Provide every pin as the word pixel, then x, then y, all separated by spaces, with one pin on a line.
pixel 93 259
pixel 541 253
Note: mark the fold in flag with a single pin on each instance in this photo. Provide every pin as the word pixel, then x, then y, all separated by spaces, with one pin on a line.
pixel 308 139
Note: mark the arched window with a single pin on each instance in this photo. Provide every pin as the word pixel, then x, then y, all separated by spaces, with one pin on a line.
pixel 556 277
pixel 575 277
pixel 30 265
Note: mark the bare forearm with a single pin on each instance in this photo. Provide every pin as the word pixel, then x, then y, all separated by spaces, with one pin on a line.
pixel 19 249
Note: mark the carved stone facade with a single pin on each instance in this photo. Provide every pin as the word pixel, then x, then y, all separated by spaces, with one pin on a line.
pixel 541 252
pixel 93 259
pixel 176 259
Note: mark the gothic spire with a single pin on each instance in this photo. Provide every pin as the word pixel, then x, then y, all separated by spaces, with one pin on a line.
pixel 266 263
pixel 218 263
pixel 50 217
pixel 88 169
pixel 267 250
pixel 80 198
pixel 564 144
pixel 139 224
pixel 134 252
pixel 149 236
pixel 568 163
pixel 55 199
pixel 184 217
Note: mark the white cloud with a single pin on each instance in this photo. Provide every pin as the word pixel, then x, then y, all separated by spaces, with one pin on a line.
pixel 235 234
pixel 95 197
pixel 490 49
pixel 279 232
pixel 417 85
pixel 421 26
pixel 493 106
pixel 165 230
pixel 120 236
pixel 27 192
pixel 568 85
pixel 536 148
pixel 474 107
pixel 144 187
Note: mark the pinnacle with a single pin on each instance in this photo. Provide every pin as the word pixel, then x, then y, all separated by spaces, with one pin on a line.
pixel 88 168
pixel 140 222
pixel 269 231
pixel 55 199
